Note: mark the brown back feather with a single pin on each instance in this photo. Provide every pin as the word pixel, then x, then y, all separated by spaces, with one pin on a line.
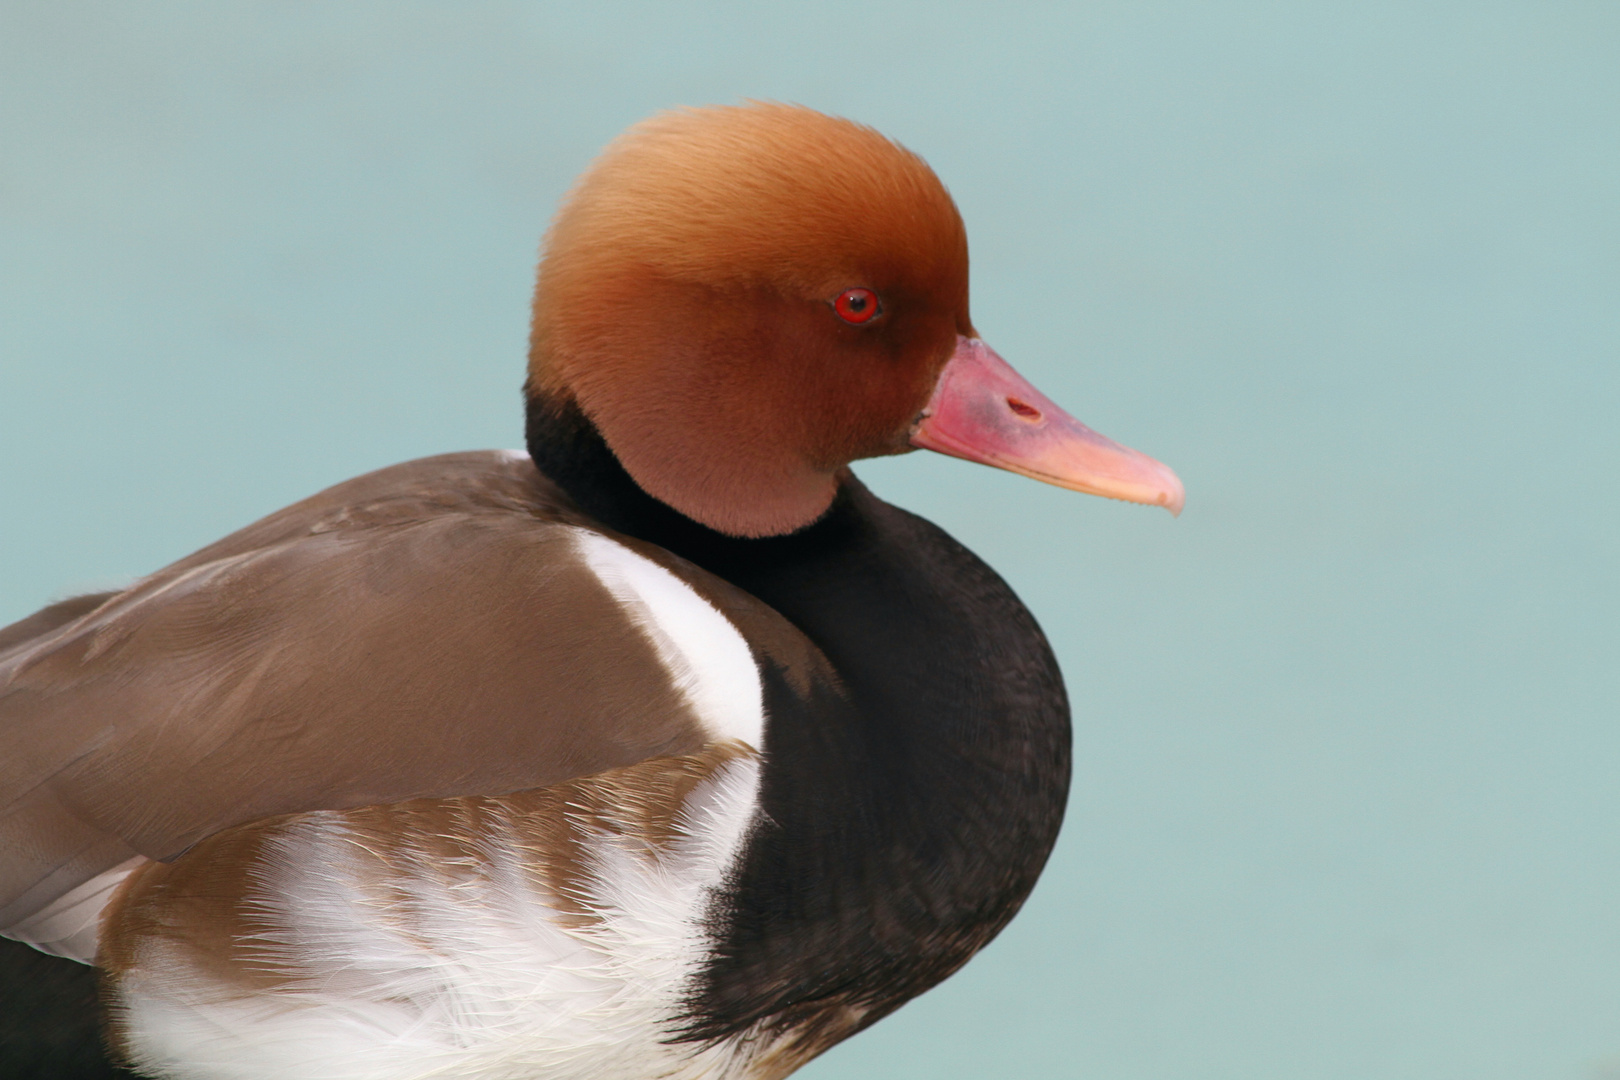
pixel 421 632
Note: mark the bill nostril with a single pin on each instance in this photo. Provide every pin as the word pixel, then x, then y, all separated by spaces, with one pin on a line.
pixel 1023 410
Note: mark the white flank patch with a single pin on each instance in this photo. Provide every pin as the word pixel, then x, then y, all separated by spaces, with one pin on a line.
pixel 422 970
pixel 706 656
pixel 70 925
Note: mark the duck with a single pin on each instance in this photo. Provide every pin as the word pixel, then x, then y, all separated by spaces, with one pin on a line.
pixel 661 748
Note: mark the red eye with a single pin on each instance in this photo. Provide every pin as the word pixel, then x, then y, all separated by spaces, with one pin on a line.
pixel 857 306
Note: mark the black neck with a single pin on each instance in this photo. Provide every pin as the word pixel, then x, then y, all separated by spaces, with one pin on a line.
pixel 909 810
pixel 570 451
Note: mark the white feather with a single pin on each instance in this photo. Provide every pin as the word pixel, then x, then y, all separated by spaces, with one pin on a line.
pixel 452 973
pixel 703 652
pixel 69 925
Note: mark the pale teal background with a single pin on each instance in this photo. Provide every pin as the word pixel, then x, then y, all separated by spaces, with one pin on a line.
pixel 1348 797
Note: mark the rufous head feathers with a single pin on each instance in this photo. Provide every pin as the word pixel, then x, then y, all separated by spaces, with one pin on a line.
pixel 688 302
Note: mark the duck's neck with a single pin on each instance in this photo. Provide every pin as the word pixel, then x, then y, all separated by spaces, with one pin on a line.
pixel 909 810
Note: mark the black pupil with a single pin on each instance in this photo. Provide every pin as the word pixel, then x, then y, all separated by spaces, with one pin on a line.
pixel 857 303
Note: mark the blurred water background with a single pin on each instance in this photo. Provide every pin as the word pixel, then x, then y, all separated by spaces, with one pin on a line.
pixel 1348 791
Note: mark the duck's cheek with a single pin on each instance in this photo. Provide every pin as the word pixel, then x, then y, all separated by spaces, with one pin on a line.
pixel 982 410
pixel 862 401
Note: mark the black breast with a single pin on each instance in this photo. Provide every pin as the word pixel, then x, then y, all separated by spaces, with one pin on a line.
pixel 908 815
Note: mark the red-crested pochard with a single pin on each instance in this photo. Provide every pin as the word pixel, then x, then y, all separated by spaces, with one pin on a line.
pixel 664 749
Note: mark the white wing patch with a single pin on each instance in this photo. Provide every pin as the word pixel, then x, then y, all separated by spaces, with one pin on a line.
pixel 706 657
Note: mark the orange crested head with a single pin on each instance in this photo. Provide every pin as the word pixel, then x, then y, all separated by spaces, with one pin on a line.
pixel 744 299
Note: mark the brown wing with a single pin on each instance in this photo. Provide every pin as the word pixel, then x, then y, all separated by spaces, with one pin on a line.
pixel 27 631
pixel 423 631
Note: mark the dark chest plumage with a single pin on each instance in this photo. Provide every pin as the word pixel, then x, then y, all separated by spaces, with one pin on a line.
pixel 908 806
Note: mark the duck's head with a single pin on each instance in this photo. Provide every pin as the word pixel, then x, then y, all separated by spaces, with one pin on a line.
pixel 743 300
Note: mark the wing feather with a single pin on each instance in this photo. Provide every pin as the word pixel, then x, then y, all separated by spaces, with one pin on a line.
pixel 424 631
